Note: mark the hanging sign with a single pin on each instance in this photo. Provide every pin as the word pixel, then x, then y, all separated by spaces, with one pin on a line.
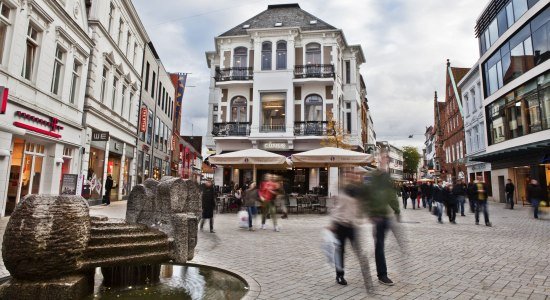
pixel 143 119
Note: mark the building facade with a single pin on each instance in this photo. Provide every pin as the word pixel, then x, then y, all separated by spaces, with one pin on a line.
pixel 44 55
pixel 179 81
pixel 513 38
pixel 474 124
pixel 277 80
pixel 430 164
pixel 450 127
pixel 112 97
pixel 394 157
pixel 155 138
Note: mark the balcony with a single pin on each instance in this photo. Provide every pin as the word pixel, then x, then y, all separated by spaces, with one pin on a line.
pixel 231 129
pixel 272 128
pixel 314 71
pixel 310 128
pixel 235 73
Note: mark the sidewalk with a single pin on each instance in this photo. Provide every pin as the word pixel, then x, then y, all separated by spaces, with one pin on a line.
pixel 445 261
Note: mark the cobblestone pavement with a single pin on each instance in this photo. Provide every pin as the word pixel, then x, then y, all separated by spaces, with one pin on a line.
pixel 507 261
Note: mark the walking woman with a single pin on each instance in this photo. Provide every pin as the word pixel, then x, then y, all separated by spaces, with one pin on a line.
pixel 267 195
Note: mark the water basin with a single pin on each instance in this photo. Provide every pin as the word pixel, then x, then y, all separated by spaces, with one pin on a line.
pixel 178 282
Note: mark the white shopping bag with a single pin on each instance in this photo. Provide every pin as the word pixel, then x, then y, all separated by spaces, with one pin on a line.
pixel 243 219
pixel 329 245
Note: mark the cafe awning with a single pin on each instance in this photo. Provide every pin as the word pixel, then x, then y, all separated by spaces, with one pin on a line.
pixel 331 157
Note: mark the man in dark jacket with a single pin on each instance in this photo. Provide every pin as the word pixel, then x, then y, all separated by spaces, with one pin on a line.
pixel 535 194
pixel 414 194
pixel 430 195
pixel 481 200
pixel 439 199
pixel 459 192
pixel 404 195
pixel 510 193
pixel 208 204
pixel 471 191
pixel 108 187
pixel 424 189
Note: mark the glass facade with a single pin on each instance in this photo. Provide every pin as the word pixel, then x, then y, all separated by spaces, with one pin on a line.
pixel 526 49
pixel 523 111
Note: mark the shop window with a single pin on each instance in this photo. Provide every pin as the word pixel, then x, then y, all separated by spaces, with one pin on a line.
pixel 273 112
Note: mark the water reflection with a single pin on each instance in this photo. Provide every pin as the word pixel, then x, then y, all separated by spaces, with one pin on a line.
pixel 178 282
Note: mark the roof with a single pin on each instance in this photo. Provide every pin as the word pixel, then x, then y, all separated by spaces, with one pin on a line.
pixel 290 15
pixel 513 151
pixel 459 73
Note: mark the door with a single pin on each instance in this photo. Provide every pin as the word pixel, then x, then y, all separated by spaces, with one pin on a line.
pixel 30 170
pixel 501 189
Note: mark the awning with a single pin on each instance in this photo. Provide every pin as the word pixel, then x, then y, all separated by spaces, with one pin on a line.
pixel 542 146
pixel 331 157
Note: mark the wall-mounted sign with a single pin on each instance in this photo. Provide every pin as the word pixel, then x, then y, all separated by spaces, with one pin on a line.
pixel 143 119
pixel 52 124
pixel 3 99
pixel 275 146
pixel 100 136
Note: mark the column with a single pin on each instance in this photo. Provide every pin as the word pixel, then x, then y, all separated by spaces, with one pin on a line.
pixel 313 178
pixel 51 170
pixel 333 182
pixel 105 166
pixel 120 184
pixel 5 161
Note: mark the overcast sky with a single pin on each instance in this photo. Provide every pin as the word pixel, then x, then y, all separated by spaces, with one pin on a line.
pixel 406 44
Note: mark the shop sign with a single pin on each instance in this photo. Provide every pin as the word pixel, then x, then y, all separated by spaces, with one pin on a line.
pixel 4 99
pixel 52 124
pixel 143 119
pixel 69 184
pixel 100 136
pixel 275 146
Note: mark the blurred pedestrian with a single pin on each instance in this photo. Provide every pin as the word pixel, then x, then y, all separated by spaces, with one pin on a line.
pixel 510 188
pixel 439 199
pixel 535 194
pixel 413 194
pixel 404 194
pixel 424 190
pixel 451 202
pixel 108 187
pixel 430 195
pixel 481 201
pixel 208 205
pixel 459 192
pixel 471 192
pixel 281 197
pixel 267 195
pixel 250 200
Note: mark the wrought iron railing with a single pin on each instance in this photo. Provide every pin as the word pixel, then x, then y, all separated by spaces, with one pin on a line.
pixel 235 73
pixel 314 71
pixel 272 128
pixel 231 129
pixel 310 128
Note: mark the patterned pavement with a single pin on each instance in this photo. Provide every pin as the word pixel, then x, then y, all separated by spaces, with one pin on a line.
pixel 444 261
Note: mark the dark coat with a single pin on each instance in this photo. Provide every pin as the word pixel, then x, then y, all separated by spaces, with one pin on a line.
pixel 414 191
pixel 108 184
pixel 449 197
pixel 510 188
pixel 208 201
pixel 429 191
pixel 438 195
pixel 534 192
pixel 471 191
pixel 459 190
pixel 424 187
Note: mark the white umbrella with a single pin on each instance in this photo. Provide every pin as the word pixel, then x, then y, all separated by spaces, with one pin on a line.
pixel 251 158
pixel 330 156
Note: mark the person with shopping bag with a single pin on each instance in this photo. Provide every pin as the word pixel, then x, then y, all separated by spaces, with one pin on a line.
pixel 250 200
pixel 267 194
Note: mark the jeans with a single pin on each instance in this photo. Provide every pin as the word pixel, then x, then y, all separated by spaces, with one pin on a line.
pixel 413 200
pixel 424 201
pixel 269 208
pixel 472 204
pixel 343 232
pixel 510 200
pixel 535 203
pixel 461 200
pixel 439 210
pixel 479 206
pixel 405 197
pixel 381 226
pixel 430 200
pixel 251 213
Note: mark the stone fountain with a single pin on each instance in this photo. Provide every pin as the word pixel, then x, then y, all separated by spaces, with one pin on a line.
pixel 52 246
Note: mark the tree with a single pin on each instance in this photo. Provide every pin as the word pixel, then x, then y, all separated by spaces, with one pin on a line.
pixel 411 159
pixel 334 136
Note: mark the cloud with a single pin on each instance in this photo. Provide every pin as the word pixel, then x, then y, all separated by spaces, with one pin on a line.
pixel 406 43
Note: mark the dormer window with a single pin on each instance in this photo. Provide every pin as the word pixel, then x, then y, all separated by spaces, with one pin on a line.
pixel 245 26
pixel 278 24
pixel 313 22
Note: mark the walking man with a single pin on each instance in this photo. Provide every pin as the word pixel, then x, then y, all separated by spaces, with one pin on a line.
pixel 208 204
pixel 404 194
pixel 481 201
pixel 424 189
pixel 534 195
pixel 108 187
pixel 510 193
pixel 471 191
pixel 459 192
pixel 439 198
pixel 429 195
pixel 413 193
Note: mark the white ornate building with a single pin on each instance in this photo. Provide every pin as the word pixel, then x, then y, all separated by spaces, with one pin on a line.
pixel 276 79
pixel 44 55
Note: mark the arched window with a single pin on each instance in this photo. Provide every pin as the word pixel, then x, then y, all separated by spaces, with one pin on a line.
pixel 238 109
pixel 281 55
pixel 239 57
pixel 313 54
pixel 313 108
pixel 266 55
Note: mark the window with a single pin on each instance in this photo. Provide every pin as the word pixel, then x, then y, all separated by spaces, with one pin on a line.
pixel 281 55
pixel 240 57
pixel 161 136
pixel 238 109
pixel 540 27
pixel 104 84
pixel 150 124
pixel 273 112
pixel 169 140
pixel 57 80
pixel 313 108
pixel 313 53
pixel 113 98
pixel 31 54
pixel 120 28
pixel 348 71
pixel 5 12
pixel 153 83
pixel 493 32
pixel 502 22
pixel 520 7
pixel 266 55
pixel 128 38
pixel 348 122
pixel 130 106
pixel 159 94
pixel 157 125
pixel 124 88
pixel 111 18
pixel 147 67
pixel 135 54
pixel 75 82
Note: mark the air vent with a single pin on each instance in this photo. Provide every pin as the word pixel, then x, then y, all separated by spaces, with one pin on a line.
pixel 245 26
pixel 278 24
pixel 313 22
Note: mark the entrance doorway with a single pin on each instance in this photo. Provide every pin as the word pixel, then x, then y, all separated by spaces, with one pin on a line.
pixel 501 189
pixel 113 168
pixel 25 172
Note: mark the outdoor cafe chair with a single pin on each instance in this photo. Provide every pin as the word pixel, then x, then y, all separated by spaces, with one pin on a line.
pixel 293 203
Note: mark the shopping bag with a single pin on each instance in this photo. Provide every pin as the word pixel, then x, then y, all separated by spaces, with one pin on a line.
pixel 243 219
pixel 329 245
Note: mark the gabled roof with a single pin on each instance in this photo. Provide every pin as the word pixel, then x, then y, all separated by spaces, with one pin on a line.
pixel 289 15
pixel 459 73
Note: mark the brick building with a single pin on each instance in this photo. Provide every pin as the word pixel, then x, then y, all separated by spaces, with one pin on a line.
pixel 449 124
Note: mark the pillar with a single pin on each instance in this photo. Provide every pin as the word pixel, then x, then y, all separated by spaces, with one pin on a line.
pixel 333 182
